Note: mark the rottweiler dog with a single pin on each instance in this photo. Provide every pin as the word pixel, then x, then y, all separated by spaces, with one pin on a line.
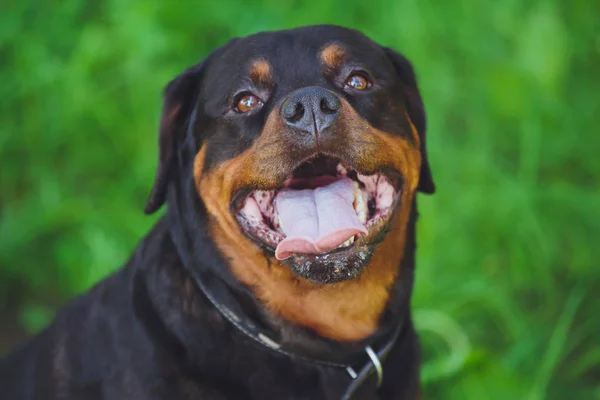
pixel 283 265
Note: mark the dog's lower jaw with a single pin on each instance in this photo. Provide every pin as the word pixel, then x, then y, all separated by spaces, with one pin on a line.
pixel 345 311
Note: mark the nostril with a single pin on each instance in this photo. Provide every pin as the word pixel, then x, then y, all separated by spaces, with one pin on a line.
pixel 293 111
pixel 298 113
pixel 330 105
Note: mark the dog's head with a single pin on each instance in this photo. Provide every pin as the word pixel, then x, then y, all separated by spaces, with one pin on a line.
pixel 308 146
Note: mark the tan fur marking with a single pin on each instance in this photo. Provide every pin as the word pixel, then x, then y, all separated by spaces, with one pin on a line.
pixel 260 72
pixel 332 56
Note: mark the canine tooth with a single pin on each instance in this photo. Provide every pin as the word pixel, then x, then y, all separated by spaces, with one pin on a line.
pixel 279 222
pixel 346 243
pixel 359 204
pixel 362 216
pixel 356 190
pixel 341 170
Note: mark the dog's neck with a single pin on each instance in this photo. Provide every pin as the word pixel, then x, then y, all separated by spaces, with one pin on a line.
pixel 180 320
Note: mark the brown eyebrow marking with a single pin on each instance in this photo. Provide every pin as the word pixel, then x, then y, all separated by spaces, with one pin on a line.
pixel 260 71
pixel 332 56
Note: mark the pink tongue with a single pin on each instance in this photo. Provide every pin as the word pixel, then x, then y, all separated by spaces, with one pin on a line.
pixel 317 220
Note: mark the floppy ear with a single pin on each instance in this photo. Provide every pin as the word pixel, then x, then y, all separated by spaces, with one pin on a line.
pixel 416 112
pixel 179 99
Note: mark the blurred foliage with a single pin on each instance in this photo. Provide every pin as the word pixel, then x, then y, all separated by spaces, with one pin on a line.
pixel 507 279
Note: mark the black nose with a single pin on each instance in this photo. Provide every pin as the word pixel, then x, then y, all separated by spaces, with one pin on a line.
pixel 311 110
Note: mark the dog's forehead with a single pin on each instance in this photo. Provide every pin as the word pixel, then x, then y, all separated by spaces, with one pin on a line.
pixel 288 53
pixel 300 42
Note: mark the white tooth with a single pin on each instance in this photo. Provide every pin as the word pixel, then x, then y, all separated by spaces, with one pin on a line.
pixel 362 216
pixel 359 204
pixel 341 170
pixel 346 243
pixel 356 191
pixel 279 222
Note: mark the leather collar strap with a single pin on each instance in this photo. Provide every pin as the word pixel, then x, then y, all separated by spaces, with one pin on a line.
pixel 231 310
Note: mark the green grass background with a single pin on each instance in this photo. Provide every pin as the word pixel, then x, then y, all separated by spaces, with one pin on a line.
pixel 506 297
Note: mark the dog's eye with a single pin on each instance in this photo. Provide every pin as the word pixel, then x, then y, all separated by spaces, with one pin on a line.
pixel 246 103
pixel 358 82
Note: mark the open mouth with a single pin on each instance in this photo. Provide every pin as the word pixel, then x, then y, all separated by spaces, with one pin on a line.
pixel 324 207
